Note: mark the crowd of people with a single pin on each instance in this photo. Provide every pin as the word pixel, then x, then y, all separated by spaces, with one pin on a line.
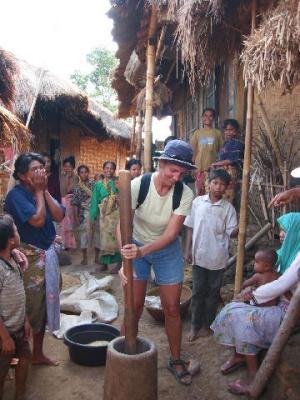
pixel 47 210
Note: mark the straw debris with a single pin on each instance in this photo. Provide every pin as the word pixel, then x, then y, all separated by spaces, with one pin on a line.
pixel 272 52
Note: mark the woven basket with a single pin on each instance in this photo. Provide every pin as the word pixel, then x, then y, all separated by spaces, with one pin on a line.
pixel 185 300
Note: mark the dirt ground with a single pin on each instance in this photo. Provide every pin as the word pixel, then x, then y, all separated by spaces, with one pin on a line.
pixel 69 381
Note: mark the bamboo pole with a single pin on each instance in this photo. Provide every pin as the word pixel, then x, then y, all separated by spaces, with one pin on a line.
pixel 139 130
pixel 270 134
pixel 246 177
pixel 133 137
pixel 266 228
pixel 151 52
pixel 130 322
pixel 272 357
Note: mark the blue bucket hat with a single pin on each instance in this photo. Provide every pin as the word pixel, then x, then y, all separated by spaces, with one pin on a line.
pixel 178 152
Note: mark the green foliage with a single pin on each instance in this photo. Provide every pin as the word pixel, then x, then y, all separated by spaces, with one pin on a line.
pixel 97 83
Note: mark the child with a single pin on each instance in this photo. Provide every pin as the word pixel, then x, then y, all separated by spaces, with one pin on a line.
pixel 206 143
pixel 264 264
pixel 14 327
pixel 211 224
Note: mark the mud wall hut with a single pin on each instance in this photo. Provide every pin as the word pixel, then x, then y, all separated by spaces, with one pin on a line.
pixel 64 120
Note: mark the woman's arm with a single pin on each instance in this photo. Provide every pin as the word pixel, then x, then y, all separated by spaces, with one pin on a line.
pixel 38 219
pixel 131 251
pixel 54 208
pixel 278 287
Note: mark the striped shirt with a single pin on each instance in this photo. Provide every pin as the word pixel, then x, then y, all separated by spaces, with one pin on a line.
pixel 12 296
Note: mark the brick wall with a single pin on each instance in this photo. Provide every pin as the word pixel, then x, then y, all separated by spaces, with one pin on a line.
pixel 93 153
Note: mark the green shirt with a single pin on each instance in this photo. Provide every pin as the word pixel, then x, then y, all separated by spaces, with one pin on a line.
pixel 99 193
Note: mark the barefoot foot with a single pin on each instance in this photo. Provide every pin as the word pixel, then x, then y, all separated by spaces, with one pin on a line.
pixel 43 360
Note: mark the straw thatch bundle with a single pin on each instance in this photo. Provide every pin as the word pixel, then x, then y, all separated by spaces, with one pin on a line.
pixel 272 52
pixel 8 70
pixel 13 132
pixel 162 97
pixel 205 34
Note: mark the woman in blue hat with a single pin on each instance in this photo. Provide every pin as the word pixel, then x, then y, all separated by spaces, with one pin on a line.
pixel 159 213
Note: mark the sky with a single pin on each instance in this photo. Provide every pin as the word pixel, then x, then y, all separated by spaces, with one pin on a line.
pixel 57 35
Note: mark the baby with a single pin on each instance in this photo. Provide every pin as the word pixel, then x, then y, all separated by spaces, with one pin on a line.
pixel 264 263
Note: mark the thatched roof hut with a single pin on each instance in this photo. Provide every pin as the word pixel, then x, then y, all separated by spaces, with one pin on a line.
pixel 197 37
pixel 8 71
pixel 12 132
pixel 57 99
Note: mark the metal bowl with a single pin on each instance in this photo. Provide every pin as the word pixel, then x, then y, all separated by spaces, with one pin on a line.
pixel 158 313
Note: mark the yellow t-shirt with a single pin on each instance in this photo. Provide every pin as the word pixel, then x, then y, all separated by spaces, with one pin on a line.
pixel 152 217
pixel 206 144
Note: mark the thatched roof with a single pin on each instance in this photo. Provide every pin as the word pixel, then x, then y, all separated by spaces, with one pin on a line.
pixel 272 52
pixel 13 132
pixel 8 70
pixel 60 99
pixel 205 33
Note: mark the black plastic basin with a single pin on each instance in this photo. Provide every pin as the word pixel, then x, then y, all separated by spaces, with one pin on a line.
pixel 78 337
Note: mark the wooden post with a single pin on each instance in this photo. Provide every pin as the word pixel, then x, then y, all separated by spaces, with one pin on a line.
pixel 130 322
pixel 271 359
pixel 151 52
pixel 246 177
pixel 139 130
pixel 133 137
pixel 270 134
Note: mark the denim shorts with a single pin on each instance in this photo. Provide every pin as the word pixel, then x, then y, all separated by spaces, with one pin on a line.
pixel 167 264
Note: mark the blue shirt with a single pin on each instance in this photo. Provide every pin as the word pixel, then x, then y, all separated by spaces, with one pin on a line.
pixel 20 203
pixel 233 150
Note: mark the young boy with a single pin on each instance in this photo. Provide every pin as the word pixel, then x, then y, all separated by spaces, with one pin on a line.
pixel 211 224
pixel 14 327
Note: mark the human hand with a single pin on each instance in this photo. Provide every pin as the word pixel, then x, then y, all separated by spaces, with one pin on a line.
pixel 8 346
pixel 131 251
pixel 246 294
pixel 39 180
pixel 187 257
pixel 282 198
pixel 21 259
pixel 27 329
pixel 58 239
pixel 122 276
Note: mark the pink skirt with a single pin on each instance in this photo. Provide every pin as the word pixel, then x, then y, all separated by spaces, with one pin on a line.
pixel 66 227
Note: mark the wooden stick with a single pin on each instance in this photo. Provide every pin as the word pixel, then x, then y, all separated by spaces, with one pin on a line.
pixel 264 206
pixel 133 137
pixel 130 322
pixel 139 130
pixel 272 357
pixel 246 177
pixel 151 50
pixel 255 216
pixel 270 134
pixel 251 242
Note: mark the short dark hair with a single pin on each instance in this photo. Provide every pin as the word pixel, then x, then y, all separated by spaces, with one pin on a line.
pixel 45 154
pixel 232 122
pixel 23 161
pixel 132 162
pixel 219 173
pixel 82 167
pixel 70 160
pixel 211 110
pixel 168 139
pixel 268 255
pixel 109 162
pixel 6 233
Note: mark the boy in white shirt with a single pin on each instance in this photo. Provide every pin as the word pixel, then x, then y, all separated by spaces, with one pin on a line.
pixel 211 224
